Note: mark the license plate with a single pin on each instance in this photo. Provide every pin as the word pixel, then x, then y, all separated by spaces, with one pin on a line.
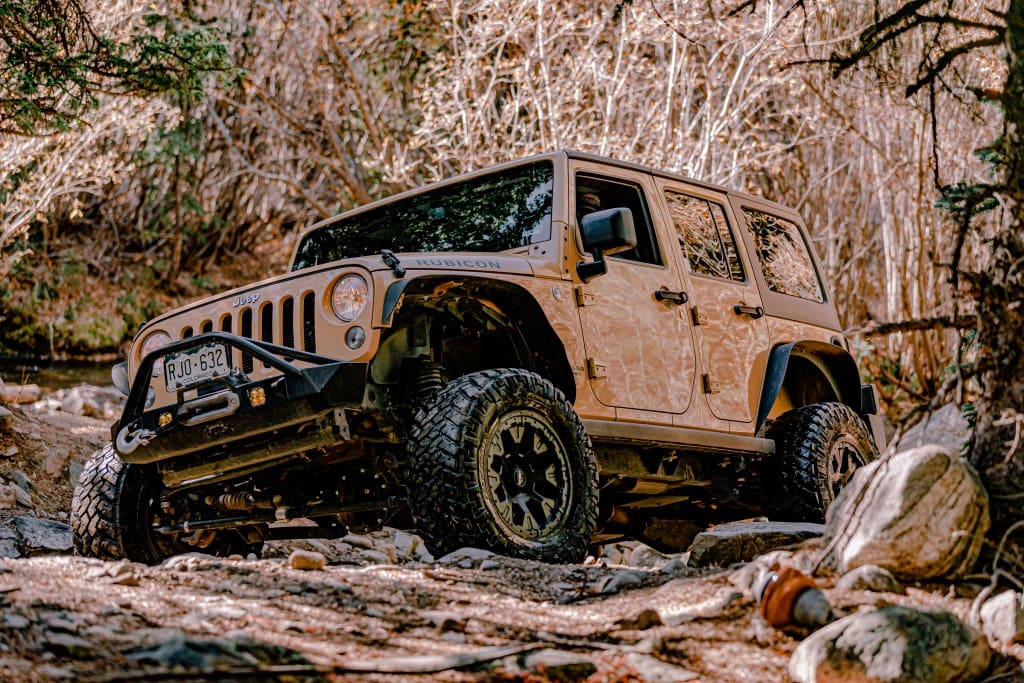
pixel 195 366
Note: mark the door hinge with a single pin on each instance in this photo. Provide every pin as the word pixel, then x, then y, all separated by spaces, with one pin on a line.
pixel 596 369
pixel 711 385
pixel 699 316
pixel 583 297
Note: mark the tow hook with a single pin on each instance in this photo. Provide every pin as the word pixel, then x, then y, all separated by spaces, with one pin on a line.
pixel 127 441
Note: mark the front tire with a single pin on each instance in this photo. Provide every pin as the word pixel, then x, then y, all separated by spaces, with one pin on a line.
pixel 111 510
pixel 501 461
pixel 817 449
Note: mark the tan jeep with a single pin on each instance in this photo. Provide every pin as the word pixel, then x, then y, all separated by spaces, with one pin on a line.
pixel 528 359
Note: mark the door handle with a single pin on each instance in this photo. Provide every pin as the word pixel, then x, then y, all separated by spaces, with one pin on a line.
pixel 678 298
pixel 752 311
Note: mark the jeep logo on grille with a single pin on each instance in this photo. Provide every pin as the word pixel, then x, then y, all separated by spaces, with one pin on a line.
pixel 245 299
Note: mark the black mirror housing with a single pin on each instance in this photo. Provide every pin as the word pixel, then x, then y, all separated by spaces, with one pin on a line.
pixel 609 231
pixel 605 232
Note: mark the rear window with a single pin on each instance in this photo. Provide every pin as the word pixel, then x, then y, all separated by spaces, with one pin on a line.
pixel 784 256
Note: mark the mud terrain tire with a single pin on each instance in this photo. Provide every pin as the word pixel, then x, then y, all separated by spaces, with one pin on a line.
pixel 501 461
pixel 817 449
pixel 111 513
pixel 110 508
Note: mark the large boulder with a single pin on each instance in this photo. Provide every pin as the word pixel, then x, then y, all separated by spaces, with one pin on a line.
pixel 892 644
pixel 921 514
pixel 946 427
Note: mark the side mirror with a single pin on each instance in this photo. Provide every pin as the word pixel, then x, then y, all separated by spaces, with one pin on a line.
pixel 604 233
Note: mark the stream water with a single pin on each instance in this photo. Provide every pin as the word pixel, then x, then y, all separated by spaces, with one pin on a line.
pixel 54 375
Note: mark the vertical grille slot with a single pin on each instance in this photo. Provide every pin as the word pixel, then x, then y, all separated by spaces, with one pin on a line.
pixel 225 326
pixel 309 322
pixel 246 331
pixel 267 324
pixel 207 326
pixel 288 322
pixel 186 333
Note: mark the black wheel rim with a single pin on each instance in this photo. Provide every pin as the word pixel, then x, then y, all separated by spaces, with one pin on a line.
pixel 843 459
pixel 524 474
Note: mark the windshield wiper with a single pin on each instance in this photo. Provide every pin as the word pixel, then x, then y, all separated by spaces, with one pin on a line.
pixel 392 262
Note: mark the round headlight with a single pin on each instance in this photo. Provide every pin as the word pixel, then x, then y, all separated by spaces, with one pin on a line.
pixel 151 344
pixel 349 297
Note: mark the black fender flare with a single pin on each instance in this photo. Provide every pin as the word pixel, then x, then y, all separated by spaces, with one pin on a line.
pixel 836 365
pixel 507 295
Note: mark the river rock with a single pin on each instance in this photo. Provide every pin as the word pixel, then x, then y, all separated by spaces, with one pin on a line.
pixel 22 393
pixel 728 544
pixel 559 665
pixel 9 544
pixel 409 547
pixel 466 558
pixel 6 420
pixel 892 644
pixel 920 514
pixel 8 496
pixel 870 577
pixel 647 557
pixel 308 560
pixel 54 462
pixel 42 536
pixel 1002 618
pixel 653 670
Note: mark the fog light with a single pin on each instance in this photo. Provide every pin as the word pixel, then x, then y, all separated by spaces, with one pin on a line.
pixel 257 397
pixel 165 419
pixel 355 337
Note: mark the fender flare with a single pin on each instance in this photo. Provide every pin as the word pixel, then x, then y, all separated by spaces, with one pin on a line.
pixel 836 365
pixel 507 292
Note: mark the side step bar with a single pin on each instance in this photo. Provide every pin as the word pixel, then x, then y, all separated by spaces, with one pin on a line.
pixel 682 438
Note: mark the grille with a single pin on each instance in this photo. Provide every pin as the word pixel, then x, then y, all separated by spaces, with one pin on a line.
pixel 276 322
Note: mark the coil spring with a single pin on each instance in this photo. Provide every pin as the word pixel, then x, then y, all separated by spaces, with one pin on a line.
pixel 236 501
pixel 428 381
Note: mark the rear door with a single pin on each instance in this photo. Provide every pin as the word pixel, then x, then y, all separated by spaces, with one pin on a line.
pixel 638 343
pixel 724 303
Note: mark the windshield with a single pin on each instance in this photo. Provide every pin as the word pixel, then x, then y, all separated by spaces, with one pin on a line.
pixel 498 211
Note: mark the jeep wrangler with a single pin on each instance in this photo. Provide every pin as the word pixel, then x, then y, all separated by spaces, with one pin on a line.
pixel 530 358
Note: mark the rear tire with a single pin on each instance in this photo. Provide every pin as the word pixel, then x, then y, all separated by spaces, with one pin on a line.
pixel 501 461
pixel 817 449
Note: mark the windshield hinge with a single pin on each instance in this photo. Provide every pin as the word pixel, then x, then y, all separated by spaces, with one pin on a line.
pixel 392 262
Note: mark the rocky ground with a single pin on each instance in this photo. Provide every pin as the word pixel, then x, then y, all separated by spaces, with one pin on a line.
pixel 379 608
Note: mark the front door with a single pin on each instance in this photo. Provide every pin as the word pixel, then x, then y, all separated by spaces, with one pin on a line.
pixel 725 306
pixel 638 342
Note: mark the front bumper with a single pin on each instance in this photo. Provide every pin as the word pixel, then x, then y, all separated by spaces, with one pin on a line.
pixel 234 408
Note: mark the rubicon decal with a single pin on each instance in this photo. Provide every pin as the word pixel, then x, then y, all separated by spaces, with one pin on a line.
pixel 457 263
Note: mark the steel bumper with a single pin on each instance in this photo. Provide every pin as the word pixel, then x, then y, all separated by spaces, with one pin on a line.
pixel 236 408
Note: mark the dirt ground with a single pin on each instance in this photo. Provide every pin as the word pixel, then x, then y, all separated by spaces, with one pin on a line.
pixel 362 617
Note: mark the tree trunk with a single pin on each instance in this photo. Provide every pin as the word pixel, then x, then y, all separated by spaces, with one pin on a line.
pixel 998 450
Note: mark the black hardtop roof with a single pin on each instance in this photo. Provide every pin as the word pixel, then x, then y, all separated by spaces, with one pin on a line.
pixel 566 153
pixel 629 165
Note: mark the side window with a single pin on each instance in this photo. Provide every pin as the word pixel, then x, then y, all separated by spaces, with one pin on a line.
pixel 595 194
pixel 704 237
pixel 785 259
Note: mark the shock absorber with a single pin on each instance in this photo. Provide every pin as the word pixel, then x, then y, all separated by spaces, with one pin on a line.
pixel 428 380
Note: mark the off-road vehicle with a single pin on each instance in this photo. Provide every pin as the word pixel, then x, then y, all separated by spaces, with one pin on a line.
pixel 529 358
